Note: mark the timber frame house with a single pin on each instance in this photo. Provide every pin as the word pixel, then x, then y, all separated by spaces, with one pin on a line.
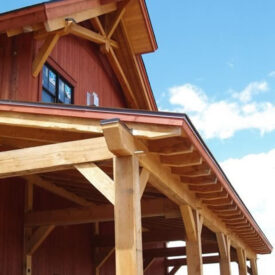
pixel 83 185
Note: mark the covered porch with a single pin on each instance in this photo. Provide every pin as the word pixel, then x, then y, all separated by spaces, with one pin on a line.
pixel 146 175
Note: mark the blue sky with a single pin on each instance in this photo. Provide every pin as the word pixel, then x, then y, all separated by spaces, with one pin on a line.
pixel 217 46
pixel 216 62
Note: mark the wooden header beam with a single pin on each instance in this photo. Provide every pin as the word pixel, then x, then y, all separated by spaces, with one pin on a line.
pixel 52 157
pixel 168 184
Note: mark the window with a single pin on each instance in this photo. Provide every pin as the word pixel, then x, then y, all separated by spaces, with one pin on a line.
pixel 55 89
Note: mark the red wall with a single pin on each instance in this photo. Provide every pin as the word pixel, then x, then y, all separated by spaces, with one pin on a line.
pixel 78 61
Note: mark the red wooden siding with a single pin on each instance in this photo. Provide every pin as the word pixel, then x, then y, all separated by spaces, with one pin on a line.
pixel 77 60
pixel 11 226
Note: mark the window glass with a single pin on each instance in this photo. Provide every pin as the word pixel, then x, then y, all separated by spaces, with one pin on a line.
pixel 55 88
pixel 46 97
pixel 61 94
pixel 68 94
pixel 52 82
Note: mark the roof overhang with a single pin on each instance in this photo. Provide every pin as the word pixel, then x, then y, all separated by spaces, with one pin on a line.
pixel 183 168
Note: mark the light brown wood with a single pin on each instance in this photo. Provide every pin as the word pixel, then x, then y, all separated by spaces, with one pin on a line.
pixel 37 238
pixel 96 213
pixel 118 16
pixel 51 187
pixel 184 160
pixel 171 186
pixel 92 36
pixel 127 217
pixel 59 23
pixel 44 53
pixel 241 261
pixel 144 177
pixel 189 222
pixel 52 157
pixel 115 64
pixel 99 179
pixel 253 264
pixel 224 251
pixel 193 226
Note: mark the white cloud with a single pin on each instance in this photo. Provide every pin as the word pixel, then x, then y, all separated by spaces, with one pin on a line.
pixel 253 178
pixel 271 74
pixel 190 96
pixel 251 89
pixel 223 118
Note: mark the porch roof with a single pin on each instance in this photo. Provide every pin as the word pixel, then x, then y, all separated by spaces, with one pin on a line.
pixel 167 144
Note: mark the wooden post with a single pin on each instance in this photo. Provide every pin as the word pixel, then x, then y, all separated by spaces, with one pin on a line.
pixel 224 250
pixel 127 216
pixel 253 264
pixel 241 261
pixel 193 226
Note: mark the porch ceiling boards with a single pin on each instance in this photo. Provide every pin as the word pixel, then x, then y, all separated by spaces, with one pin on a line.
pixel 167 145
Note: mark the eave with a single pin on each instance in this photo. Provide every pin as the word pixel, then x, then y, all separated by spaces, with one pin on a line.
pixel 131 30
pixel 162 137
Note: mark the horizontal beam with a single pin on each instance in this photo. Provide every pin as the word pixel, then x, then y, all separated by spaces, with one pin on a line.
pixel 74 127
pixel 205 259
pixel 169 184
pixel 52 157
pixel 60 22
pixel 105 212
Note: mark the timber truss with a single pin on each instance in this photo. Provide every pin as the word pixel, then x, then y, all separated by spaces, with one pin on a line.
pixel 146 173
pixel 105 26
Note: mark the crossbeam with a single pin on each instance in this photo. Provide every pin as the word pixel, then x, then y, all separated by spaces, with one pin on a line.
pixel 52 157
pixel 105 212
pixel 169 184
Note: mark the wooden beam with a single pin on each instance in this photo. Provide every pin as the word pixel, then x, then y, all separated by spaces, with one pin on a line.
pixel 144 177
pixel 119 14
pixel 193 226
pixel 224 250
pixel 127 216
pixel 184 261
pixel 44 53
pixel 189 223
pixel 102 261
pixel 174 270
pixel 51 187
pixel 37 238
pixel 99 179
pixel 171 186
pixel 253 264
pixel 147 263
pixel 122 78
pixel 90 35
pixel 60 22
pixel 52 157
pixel 94 213
pixel 184 160
pixel 241 261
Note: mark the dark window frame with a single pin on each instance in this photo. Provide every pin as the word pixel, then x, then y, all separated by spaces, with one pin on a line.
pixel 58 78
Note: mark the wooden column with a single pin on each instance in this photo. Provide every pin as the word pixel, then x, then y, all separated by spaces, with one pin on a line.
pixel 127 216
pixel 193 226
pixel 242 261
pixel 253 264
pixel 224 250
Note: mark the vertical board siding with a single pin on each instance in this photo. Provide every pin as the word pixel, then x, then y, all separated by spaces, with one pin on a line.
pixel 11 226
pixel 68 249
pixel 79 59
